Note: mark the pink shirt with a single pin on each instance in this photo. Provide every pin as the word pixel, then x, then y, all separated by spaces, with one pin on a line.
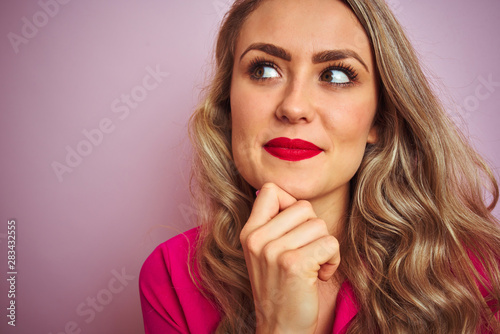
pixel 171 303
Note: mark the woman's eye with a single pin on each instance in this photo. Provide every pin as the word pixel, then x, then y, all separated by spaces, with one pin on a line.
pixel 335 76
pixel 265 72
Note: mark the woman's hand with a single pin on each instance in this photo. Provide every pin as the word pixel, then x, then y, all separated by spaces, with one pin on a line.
pixel 287 249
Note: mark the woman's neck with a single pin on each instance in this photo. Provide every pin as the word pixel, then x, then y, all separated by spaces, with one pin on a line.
pixel 332 208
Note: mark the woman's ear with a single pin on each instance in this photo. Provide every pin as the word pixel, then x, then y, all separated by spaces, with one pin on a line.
pixel 372 135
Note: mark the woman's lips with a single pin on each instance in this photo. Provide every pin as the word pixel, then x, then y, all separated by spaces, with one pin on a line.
pixel 291 149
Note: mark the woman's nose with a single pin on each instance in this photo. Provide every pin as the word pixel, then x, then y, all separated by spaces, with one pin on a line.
pixel 296 105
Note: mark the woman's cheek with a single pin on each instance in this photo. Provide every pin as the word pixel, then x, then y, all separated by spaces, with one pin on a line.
pixel 353 119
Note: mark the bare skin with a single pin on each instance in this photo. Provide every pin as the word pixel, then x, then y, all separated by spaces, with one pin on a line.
pixel 303 69
pixel 287 250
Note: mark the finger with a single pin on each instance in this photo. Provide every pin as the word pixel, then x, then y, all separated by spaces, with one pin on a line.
pixel 330 248
pixel 270 201
pixel 326 271
pixel 308 260
pixel 284 223
pixel 297 235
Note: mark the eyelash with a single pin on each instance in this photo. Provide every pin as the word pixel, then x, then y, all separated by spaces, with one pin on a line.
pixel 256 63
pixel 345 68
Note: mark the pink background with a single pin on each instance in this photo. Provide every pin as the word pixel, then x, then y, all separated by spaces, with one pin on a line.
pixel 129 193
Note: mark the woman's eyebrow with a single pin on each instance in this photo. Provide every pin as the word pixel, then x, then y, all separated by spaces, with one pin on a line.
pixel 333 55
pixel 320 57
pixel 270 49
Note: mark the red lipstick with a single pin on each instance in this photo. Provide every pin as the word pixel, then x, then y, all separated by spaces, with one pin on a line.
pixel 291 149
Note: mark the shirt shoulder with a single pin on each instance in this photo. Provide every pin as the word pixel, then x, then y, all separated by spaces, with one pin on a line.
pixel 485 286
pixel 170 300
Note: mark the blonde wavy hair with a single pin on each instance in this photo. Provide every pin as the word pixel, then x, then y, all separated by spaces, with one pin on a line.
pixel 418 211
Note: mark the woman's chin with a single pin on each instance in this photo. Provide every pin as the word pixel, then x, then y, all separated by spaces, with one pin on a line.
pixel 298 190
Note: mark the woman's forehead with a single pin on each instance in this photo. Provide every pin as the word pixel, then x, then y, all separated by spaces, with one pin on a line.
pixel 305 27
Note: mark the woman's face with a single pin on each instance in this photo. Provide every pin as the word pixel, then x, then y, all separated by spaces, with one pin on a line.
pixel 302 70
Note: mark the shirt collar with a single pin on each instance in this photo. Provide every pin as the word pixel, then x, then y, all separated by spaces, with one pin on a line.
pixel 346 308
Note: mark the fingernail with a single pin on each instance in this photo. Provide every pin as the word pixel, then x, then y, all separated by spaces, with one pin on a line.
pixel 257 192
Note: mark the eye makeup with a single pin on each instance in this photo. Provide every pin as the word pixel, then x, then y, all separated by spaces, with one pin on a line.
pixel 256 68
pixel 346 69
pixel 256 71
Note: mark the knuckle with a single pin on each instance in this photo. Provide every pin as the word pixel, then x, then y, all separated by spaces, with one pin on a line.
pixel 243 235
pixel 288 261
pixel 331 243
pixel 270 252
pixel 252 242
pixel 319 225
pixel 304 204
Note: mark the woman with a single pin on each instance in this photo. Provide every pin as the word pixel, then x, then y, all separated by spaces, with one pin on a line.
pixel 335 194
